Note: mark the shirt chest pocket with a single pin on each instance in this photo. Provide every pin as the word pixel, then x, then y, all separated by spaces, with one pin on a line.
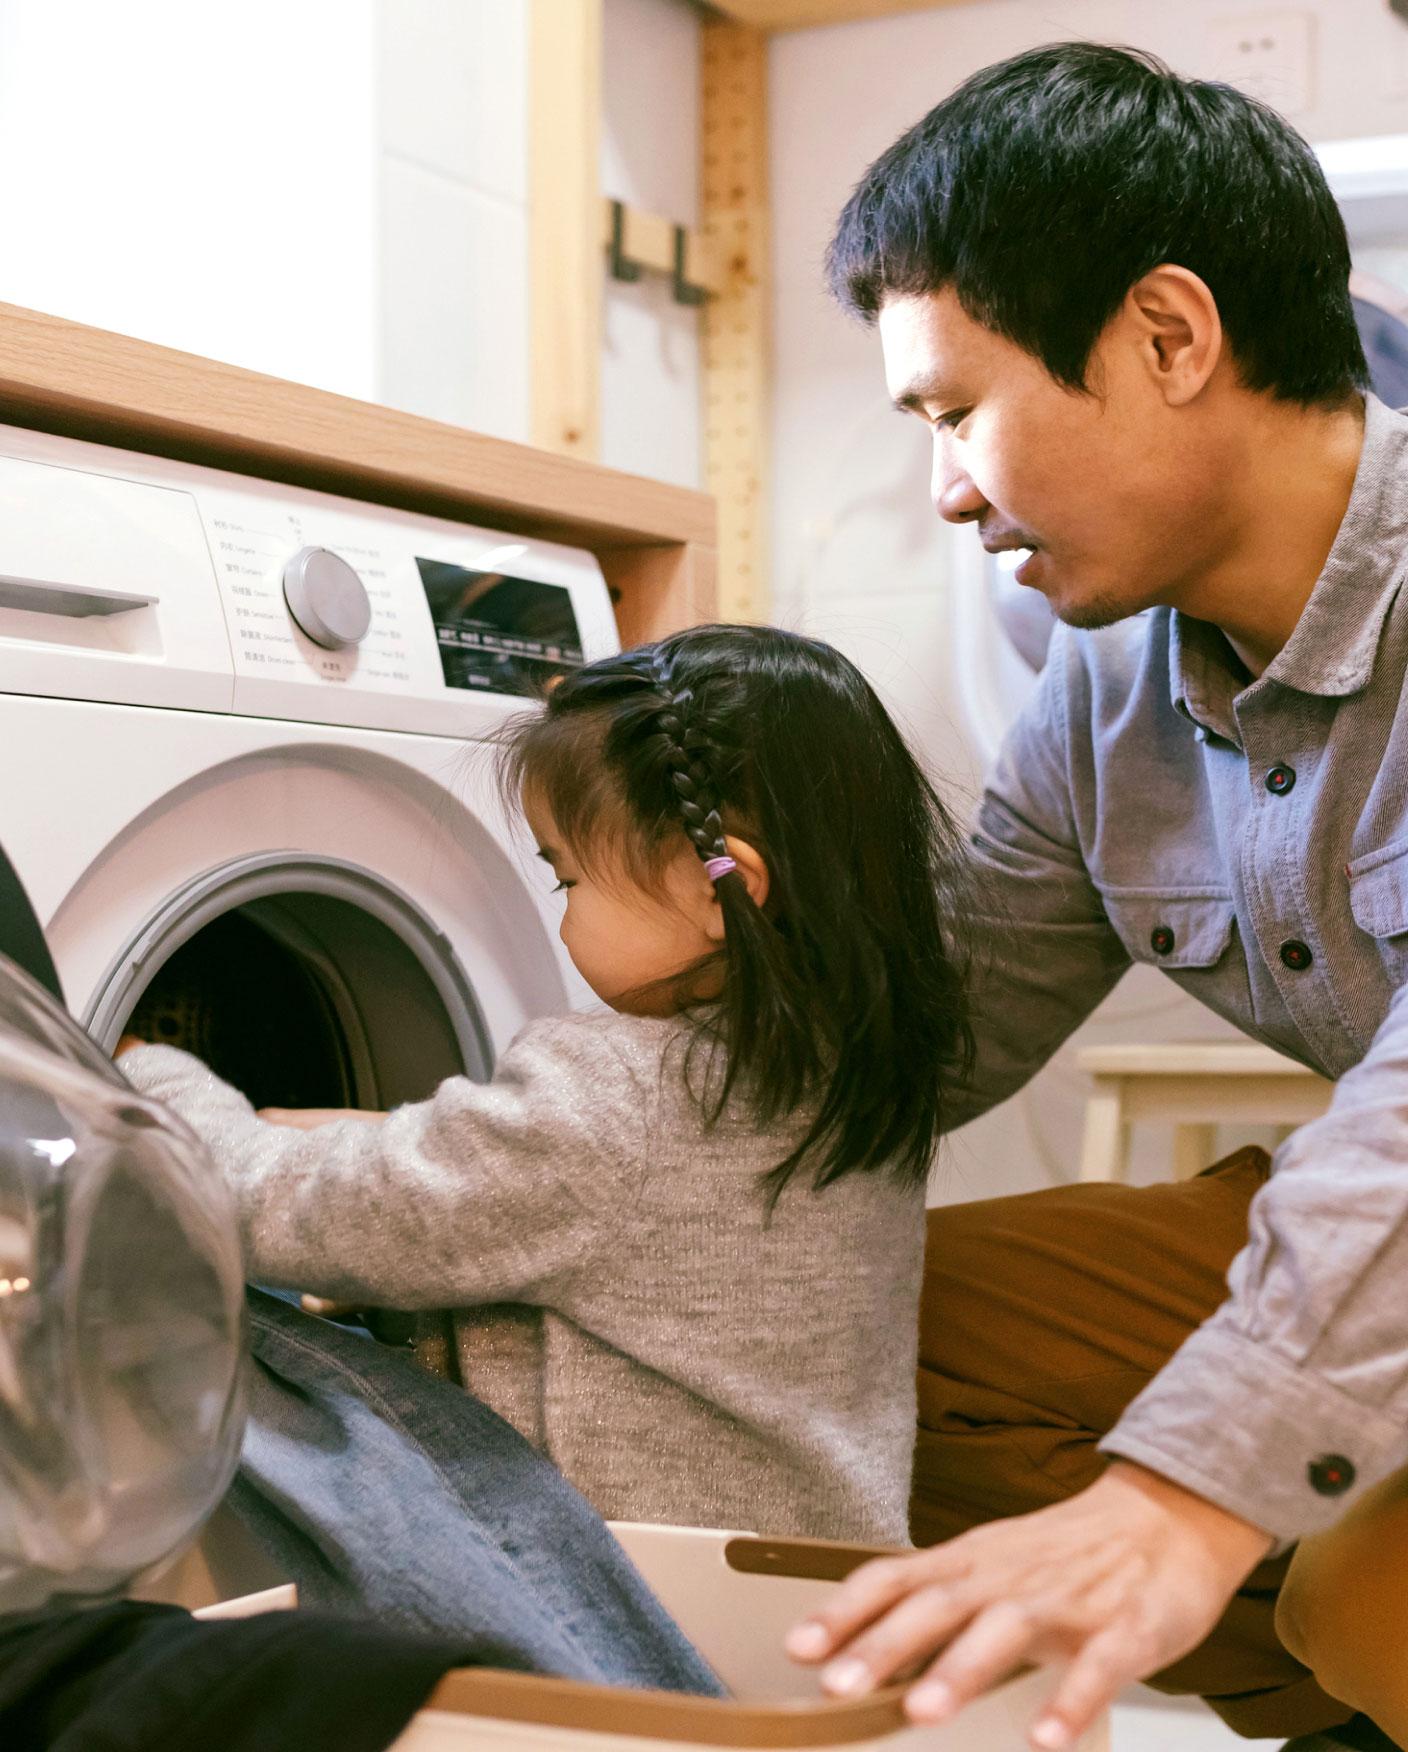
pixel 1178 932
pixel 1378 902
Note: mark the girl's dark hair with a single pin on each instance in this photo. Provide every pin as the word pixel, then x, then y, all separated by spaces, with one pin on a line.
pixel 848 987
pixel 1047 185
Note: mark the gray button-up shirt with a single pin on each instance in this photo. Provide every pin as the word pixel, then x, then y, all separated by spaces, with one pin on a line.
pixel 1130 819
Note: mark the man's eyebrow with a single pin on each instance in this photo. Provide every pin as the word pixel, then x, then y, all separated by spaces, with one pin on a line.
pixel 920 392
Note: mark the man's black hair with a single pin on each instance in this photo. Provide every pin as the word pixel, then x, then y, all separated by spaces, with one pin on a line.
pixel 1047 185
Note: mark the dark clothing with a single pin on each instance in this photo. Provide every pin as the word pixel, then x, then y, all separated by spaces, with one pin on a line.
pixel 136 1678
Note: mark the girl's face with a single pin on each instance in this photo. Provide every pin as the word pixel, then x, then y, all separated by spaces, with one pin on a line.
pixel 622 938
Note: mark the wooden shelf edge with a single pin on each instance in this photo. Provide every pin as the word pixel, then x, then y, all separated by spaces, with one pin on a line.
pixel 773 15
pixel 62 376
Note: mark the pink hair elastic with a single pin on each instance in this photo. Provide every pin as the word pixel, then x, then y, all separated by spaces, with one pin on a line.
pixel 716 867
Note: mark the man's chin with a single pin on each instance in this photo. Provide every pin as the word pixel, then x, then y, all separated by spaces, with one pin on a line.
pixel 1091 612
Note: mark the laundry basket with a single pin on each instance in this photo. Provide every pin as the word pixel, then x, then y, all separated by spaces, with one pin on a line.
pixel 734 1595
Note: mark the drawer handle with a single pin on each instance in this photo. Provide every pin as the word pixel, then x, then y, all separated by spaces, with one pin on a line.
pixel 75 601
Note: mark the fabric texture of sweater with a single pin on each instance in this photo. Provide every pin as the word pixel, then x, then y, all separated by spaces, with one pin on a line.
pixel 621 1293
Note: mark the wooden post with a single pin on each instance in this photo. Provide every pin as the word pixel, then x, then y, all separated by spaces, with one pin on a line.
pixel 564 256
pixel 734 187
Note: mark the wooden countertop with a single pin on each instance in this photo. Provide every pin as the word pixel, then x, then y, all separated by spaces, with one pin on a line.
pixel 655 541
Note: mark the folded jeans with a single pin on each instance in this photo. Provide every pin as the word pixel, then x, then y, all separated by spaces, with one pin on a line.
pixel 381 1489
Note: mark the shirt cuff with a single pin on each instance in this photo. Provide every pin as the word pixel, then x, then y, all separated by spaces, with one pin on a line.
pixel 1276 1444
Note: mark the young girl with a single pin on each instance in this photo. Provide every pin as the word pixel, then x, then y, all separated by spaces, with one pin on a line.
pixel 682 1233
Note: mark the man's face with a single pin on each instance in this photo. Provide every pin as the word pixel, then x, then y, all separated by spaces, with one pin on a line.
pixel 1112 491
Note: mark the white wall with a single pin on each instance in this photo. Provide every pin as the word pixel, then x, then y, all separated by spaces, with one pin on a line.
pixel 336 191
pixel 452 259
pixel 650 390
pixel 860 557
pixel 199 177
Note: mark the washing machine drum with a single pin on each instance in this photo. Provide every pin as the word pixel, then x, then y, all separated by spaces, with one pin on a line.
pixel 121 1318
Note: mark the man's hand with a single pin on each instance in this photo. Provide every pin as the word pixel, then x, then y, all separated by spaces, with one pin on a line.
pixel 1113 1585
pixel 310 1118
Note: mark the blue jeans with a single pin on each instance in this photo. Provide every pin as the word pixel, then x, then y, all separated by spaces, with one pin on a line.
pixel 382 1490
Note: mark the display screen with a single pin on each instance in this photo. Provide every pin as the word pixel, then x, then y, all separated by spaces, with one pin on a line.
pixel 500 634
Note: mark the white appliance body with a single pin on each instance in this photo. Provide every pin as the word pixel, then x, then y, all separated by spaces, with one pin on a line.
pixel 175 747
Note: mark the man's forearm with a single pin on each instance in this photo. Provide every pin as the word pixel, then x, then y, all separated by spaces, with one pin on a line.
pixel 1293 1397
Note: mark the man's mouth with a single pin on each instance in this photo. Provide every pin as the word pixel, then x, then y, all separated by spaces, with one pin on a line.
pixel 1022 561
pixel 1009 555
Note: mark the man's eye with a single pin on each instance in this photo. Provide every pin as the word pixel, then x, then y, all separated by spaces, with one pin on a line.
pixel 954 418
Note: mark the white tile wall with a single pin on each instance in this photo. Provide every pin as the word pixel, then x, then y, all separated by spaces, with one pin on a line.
pixel 454 319
pixel 452 271
pixel 454 297
pixel 650 390
pixel 453 80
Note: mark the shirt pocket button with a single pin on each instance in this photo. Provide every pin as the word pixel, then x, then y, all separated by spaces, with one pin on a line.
pixel 1331 1475
pixel 1162 940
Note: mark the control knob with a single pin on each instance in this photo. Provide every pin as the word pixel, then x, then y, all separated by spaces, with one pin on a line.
pixel 326 598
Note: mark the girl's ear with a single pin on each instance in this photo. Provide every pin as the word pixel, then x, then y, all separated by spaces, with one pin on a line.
pixel 754 874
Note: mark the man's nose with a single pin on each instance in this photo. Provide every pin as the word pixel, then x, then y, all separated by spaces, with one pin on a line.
pixel 955 497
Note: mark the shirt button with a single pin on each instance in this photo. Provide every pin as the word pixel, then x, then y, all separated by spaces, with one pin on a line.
pixel 1331 1475
pixel 1280 780
pixel 1162 940
pixel 1296 955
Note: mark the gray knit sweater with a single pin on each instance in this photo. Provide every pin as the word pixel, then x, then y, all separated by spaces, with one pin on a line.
pixel 621 1296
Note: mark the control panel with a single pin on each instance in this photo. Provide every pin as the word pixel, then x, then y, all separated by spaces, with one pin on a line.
pixel 145 581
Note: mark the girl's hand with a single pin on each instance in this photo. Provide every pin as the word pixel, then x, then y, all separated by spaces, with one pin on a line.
pixel 1111 1586
pixel 320 1305
pixel 310 1118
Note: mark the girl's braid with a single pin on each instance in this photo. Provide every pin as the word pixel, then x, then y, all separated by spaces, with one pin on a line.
pixel 688 752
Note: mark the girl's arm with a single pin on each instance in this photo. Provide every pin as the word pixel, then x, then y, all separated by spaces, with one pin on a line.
pixel 486 1192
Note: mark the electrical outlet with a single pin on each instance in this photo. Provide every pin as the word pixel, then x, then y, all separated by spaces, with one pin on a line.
pixel 1269 55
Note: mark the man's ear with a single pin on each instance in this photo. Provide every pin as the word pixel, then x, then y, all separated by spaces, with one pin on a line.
pixel 1175 323
pixel 752 871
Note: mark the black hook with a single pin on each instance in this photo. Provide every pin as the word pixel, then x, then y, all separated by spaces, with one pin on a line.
pixel 685 292
pixel 622 267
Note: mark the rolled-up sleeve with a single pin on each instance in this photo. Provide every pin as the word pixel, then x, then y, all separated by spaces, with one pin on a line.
pixel 1047 953
pixel 1293 1398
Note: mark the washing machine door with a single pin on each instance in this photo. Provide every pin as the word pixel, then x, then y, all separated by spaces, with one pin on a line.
pixel 21 939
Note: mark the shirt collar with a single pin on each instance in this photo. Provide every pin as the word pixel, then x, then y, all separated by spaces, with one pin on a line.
pixel 1332 648
pixel 1205 675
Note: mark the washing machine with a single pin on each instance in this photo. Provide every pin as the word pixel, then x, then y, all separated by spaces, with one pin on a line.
pixel 247 778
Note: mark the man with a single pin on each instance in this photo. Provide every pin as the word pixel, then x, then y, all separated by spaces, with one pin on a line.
pixel 1120 302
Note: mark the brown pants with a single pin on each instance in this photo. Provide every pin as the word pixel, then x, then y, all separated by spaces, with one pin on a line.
pixel 1043 1316
pixel 1344 1608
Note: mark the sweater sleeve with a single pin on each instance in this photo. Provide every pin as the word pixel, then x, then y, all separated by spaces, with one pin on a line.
pixel 487 1192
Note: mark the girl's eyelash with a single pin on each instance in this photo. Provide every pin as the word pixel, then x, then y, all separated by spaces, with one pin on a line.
pixel 562 885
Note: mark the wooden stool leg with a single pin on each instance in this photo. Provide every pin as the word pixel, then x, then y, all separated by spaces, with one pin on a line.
pixel 1104 1150
pixel 1193 1147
